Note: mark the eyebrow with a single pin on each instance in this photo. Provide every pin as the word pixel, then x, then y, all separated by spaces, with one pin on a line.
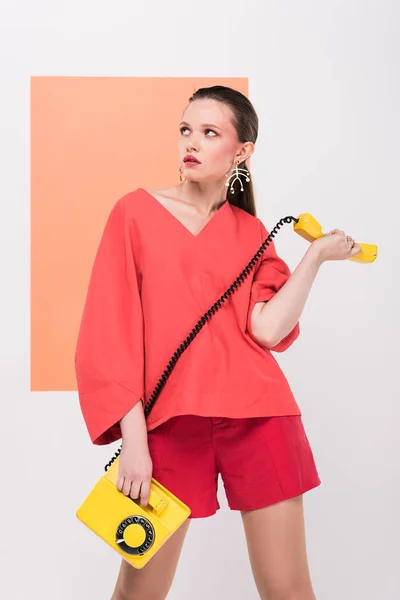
pixel 203 125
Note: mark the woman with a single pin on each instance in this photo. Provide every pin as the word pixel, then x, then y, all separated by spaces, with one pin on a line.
pixel 164 259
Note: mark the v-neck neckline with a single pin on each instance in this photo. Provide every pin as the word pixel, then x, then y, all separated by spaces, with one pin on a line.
pixel 179 222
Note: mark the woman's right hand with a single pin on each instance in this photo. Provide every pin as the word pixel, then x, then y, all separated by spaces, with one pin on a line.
pixel 335 245
pixel 135 470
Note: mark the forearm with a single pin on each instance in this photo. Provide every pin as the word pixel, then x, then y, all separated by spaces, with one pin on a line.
pixel 278 316
pixel 133 424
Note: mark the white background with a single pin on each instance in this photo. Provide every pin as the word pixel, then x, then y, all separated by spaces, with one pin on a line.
pixel 324 78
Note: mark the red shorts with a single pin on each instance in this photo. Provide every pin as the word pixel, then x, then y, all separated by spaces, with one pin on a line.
pixel 262 460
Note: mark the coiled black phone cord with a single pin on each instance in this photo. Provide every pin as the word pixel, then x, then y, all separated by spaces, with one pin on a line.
pixel 203 319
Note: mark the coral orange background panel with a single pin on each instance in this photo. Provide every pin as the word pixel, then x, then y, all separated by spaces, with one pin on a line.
pixel 93 139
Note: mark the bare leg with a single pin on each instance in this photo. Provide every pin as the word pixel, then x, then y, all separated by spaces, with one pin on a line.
pixel 154 580
pixel 276 544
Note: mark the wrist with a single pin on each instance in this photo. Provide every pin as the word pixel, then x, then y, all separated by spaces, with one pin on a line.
pixel 135 441
pixel 315 254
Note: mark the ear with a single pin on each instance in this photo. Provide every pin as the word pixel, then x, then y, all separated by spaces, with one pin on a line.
pixel 245 151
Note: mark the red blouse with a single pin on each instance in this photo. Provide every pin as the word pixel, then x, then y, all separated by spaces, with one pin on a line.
pixel 151 281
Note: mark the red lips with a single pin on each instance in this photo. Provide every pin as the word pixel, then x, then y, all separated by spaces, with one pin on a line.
pixel 190 158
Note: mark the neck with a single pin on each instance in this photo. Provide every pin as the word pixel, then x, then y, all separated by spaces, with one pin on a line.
pixel 207 196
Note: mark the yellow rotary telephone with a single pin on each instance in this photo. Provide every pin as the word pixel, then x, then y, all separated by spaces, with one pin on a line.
pixel 136 532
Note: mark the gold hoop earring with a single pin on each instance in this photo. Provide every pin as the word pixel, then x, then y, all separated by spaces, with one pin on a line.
pixel 237 173
pixel 181 174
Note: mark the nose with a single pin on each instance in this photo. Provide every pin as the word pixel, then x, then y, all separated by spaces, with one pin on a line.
pixel 191 147
pixel 191 143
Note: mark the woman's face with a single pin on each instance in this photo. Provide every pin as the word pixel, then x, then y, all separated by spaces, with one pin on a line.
pixel 207 133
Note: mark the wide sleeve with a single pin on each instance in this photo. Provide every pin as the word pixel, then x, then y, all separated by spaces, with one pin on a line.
pixel 109 356
pixel 271 274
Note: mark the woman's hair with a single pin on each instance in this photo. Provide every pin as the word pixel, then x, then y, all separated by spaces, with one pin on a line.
pixel 245 121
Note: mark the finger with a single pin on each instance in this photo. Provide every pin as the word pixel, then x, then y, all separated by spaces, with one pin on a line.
pixel 120 483
pixel 145 492
pixel 135 490
pixel 126 487
pixel 356 249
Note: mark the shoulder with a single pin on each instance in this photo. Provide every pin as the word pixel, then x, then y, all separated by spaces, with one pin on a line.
pixel 243 214
pixel 133 203
pixel 246 218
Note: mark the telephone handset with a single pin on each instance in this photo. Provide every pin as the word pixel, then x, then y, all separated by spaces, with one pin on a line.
pixel 309 229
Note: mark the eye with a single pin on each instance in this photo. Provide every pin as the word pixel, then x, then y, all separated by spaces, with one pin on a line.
pixel 183 128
